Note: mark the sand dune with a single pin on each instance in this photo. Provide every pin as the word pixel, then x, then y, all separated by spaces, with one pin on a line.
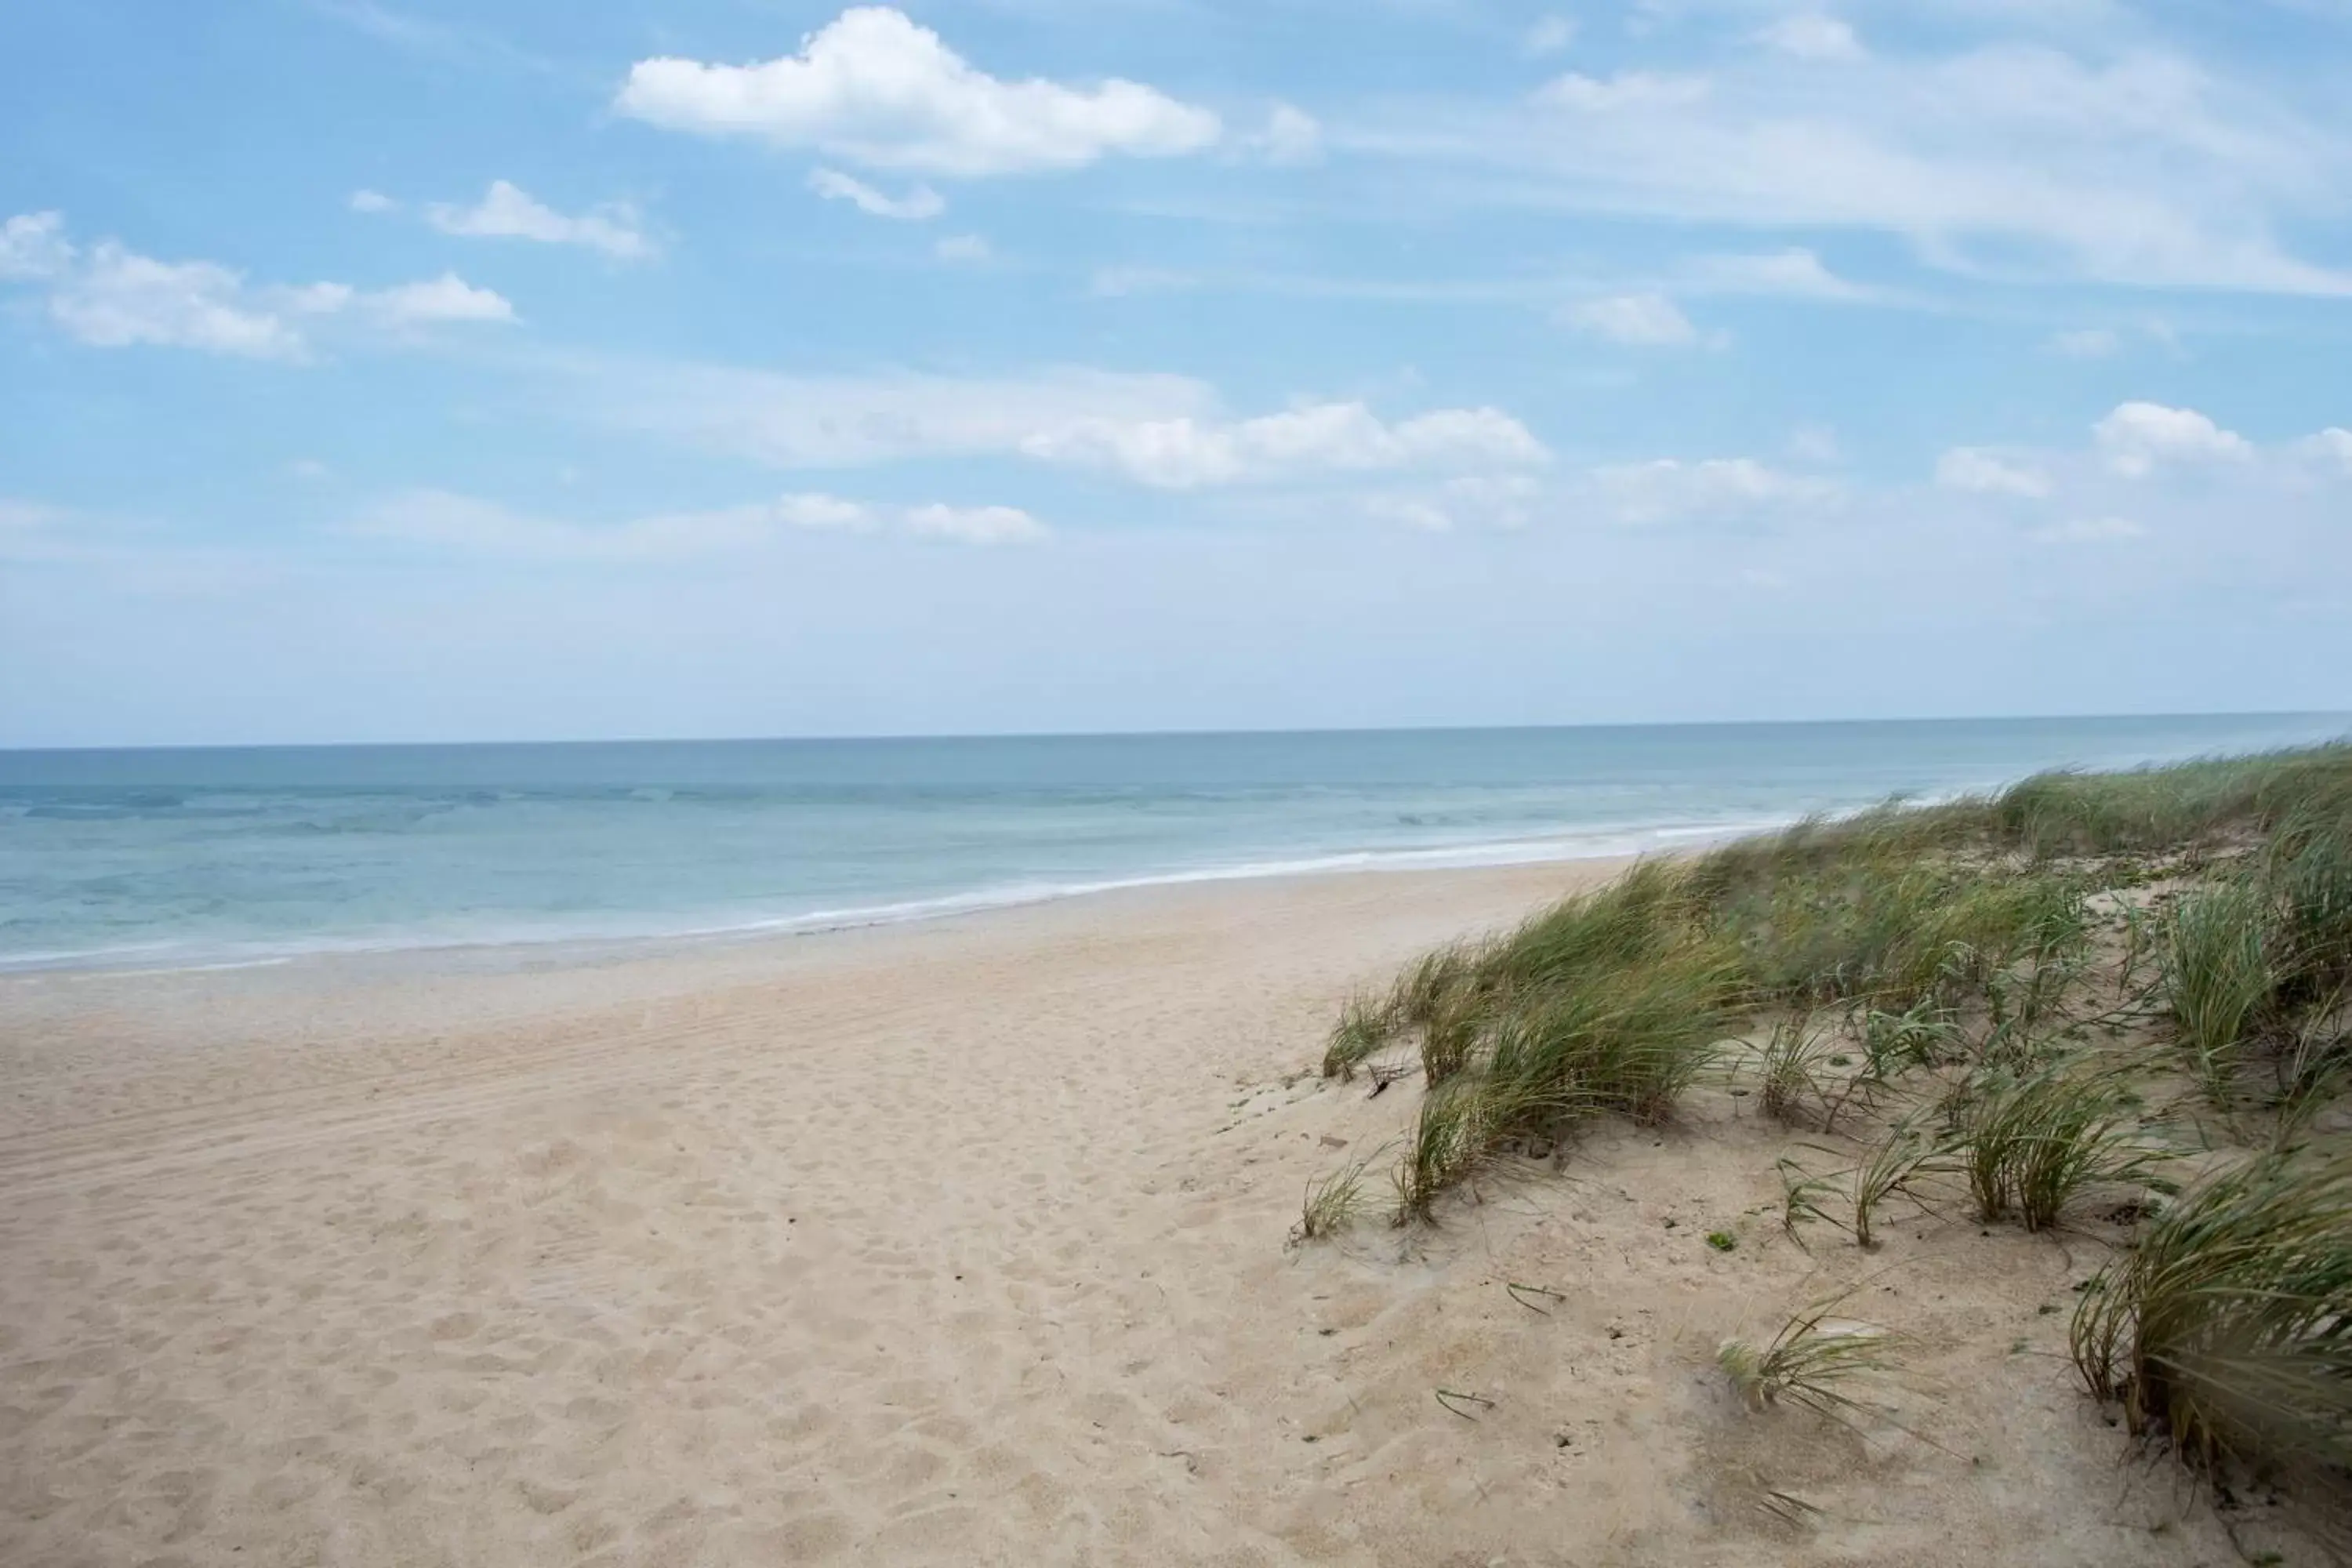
pixel 959 1242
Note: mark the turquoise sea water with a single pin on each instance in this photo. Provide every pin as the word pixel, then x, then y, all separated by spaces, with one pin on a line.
pixel 231 855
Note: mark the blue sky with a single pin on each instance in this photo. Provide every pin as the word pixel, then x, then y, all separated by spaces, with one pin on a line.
pixel 416 370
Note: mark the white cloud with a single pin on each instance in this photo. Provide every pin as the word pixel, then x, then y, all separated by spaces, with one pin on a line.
pixel 1668 490
pixel 1812 36
pixel 472 525
pixel 1168 431
pixel 119 297
pixel 2137 437
pixel 2089 531
pixel 365 201
pixel 1292 137
pixel 1185 452
pixel 1980 472
pixel 815 510
pixel 965 248
pixel 1628 91
pixel 507 212
pixel 1796 272
pixel 919 203
pixel 1650 320
pixel 113 297
pixel 2087 342
pixel 1488 500
pixel 817 421
pixel 876 89
pixel 34 245
pixel 448 298
pixel 2333 444
pixel 1549 36
pixel 974 524
pixel 2139 166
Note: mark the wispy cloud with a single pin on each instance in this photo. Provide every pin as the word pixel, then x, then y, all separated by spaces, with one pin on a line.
pixel 464 524
pixel 431 39
pixel 2024 161
pixel 1167 432
pixel 506 211
pixel 1813 36
pixel 919 203
pixel 1185 453
pixel 1980 472
pixel 1649 320
pixel 1672 489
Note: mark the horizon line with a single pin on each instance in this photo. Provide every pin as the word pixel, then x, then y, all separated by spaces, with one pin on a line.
pixel 1177 734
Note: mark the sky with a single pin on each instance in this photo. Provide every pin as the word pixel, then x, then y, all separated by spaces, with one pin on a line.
pixel 406 370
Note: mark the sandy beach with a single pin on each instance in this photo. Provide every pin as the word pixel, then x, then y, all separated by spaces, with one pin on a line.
pixel 950 1243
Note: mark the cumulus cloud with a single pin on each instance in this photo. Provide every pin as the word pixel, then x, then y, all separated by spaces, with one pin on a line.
pixel 507 212
pixel 919 203
pixel 472 525
pixel 1812 36
pixel 2137 436
pixel 1669 490
pixel 448 298
pixel 964 247
pixel 366 201
pixel 874 88
pixel 1185 453
pixel 1975 470
pixel 1648 320
pixel 2334 445
pixel 1629 90
pixel 119 297
pixel 112 297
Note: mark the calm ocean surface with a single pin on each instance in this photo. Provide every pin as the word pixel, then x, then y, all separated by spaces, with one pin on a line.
pixel 231 855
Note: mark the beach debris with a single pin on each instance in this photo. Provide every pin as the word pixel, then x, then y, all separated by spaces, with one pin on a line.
pixel 1453 1400
pixel 1519 1293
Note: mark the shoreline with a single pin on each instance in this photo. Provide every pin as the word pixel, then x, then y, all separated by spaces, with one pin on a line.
pixel 523 861
pixel 1610 846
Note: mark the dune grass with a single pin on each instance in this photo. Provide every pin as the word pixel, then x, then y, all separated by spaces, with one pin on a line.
pixel 1331 1204
pixel 2227 1328
pixel 1616 1000
pixel 2029 1144
pixel 1808 1363
pixel 2217 974
pixel 2008 970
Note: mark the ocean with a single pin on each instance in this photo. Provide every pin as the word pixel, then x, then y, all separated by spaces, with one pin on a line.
pixel 191 857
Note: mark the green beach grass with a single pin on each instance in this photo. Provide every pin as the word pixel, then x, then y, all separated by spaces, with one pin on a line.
pixel 2072 986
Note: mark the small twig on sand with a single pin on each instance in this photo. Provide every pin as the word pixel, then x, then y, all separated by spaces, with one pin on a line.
pixel 1446 1396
